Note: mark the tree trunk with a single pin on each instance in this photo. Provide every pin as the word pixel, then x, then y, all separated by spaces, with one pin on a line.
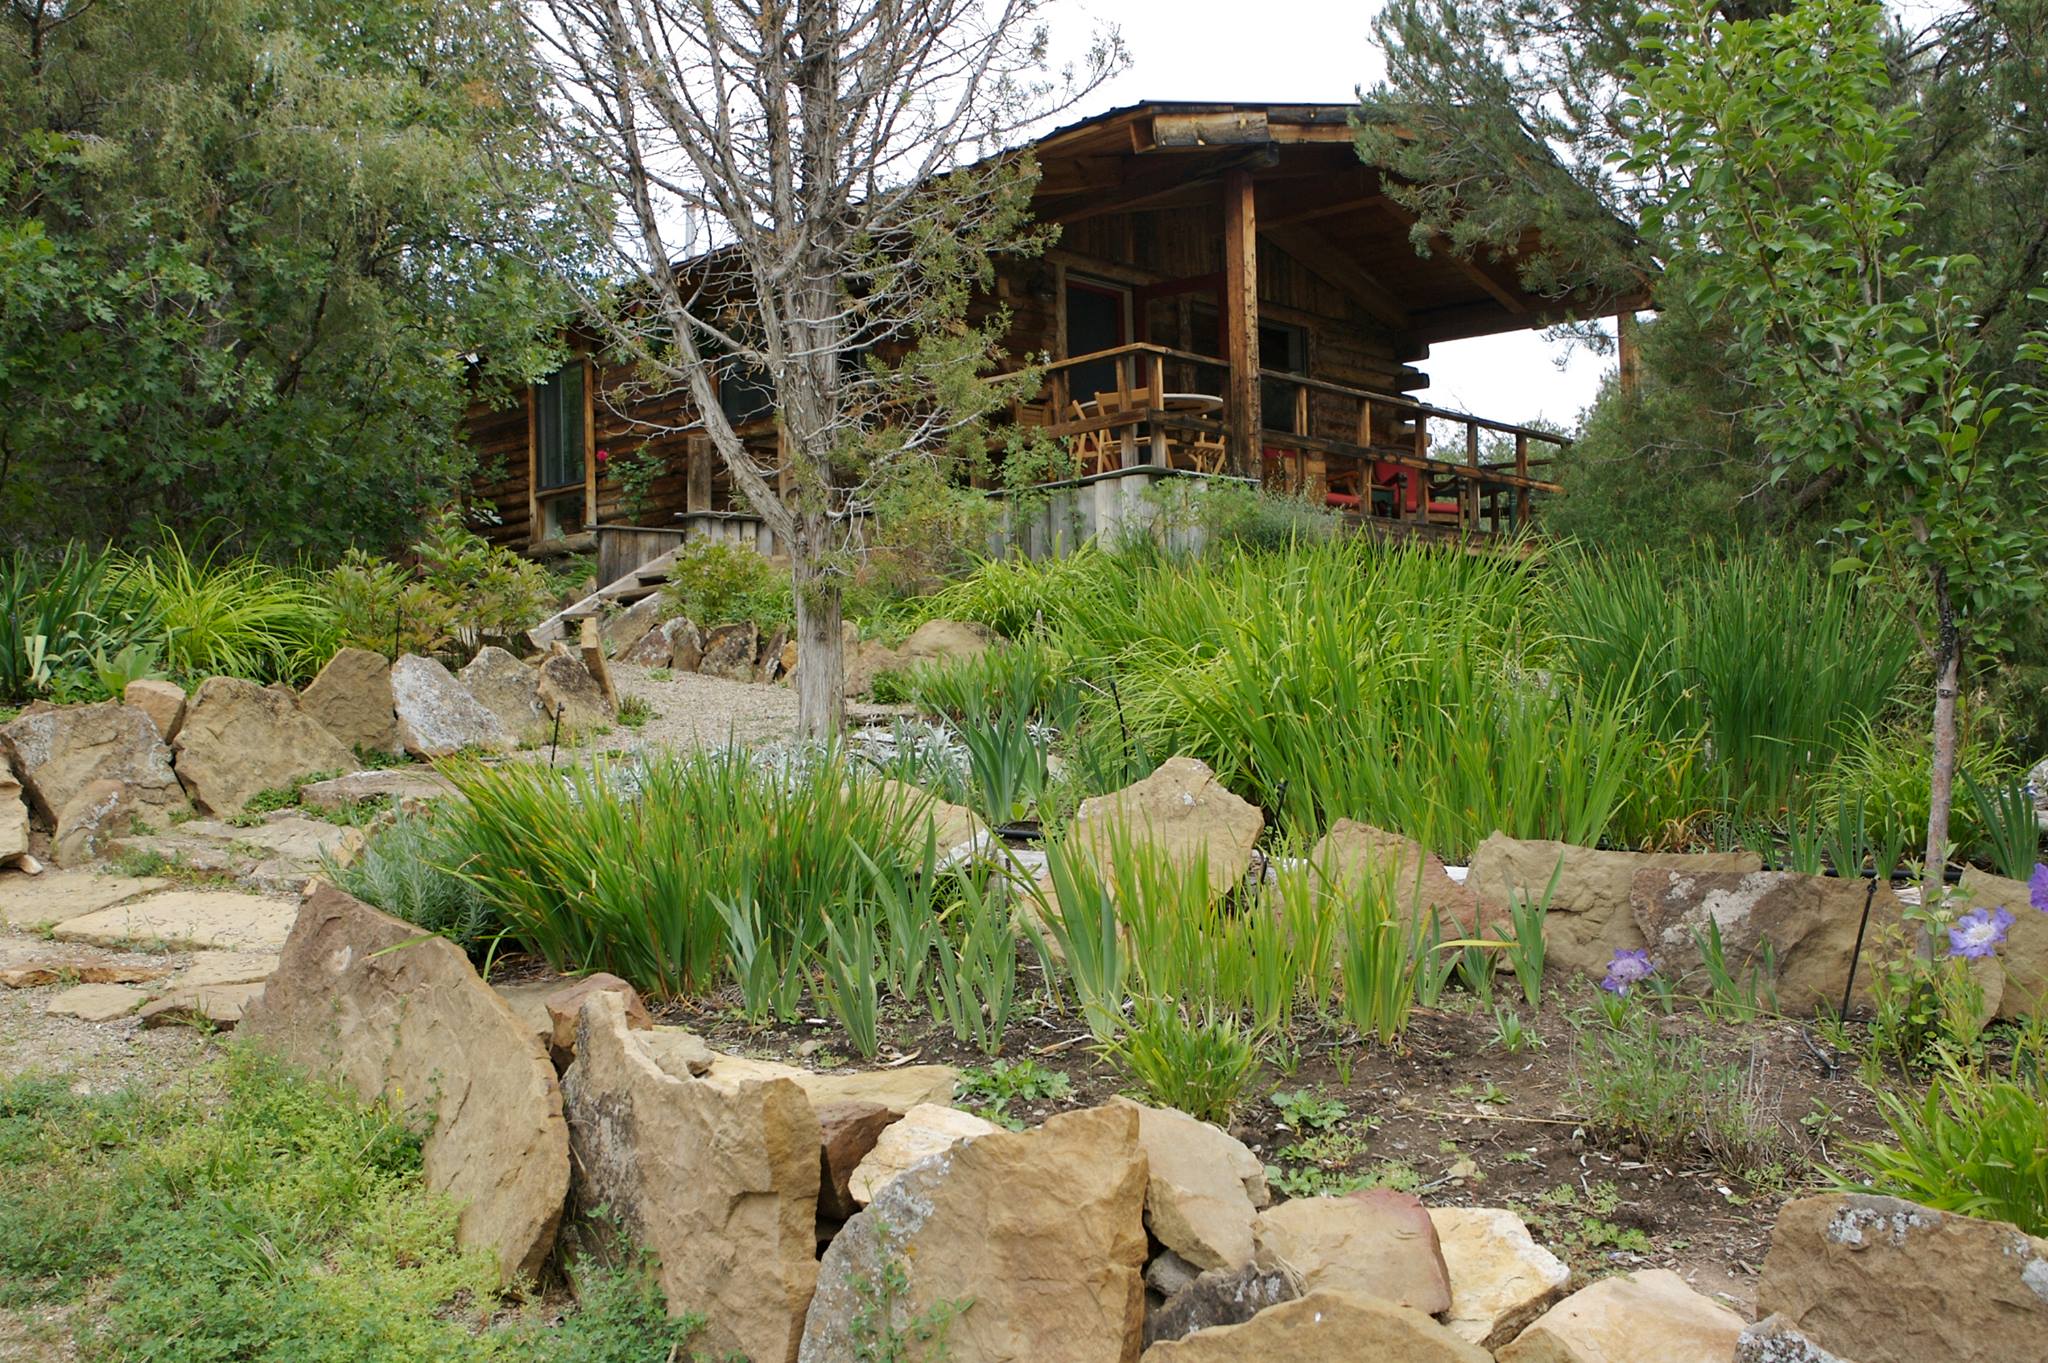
pixel 820 659
pixel 1948 656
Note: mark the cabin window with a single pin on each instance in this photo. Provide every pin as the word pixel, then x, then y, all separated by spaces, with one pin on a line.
pixel 1283 349
pixel 744 392
pixel 561 454
pixel 1098 318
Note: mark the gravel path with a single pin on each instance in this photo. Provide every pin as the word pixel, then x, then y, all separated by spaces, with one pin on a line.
pixel 695 711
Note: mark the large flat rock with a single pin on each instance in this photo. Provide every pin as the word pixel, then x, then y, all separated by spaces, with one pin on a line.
pixel 1327 1327
pixel 188 920
pixel 59 896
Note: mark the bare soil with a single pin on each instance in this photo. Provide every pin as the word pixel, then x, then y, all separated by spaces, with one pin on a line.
pixel 1451 1116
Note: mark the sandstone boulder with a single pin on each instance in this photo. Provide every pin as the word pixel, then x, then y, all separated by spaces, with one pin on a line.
pixel 565 1007
pixel 13 817
pixel 392 1013
pixel 1810 924
pixel 1501 1279
pixel 1591 916
pixel 59 750
pixel 97 815
pixel 622 629
pixel 352 699
pixel 955 828
pixel 437 716
pixel 901 1089
pixel 770 665
pixel 924 1131
pixel 566 688
pixel 1219 1296
pixel 1352 851
pixel 718 1179
pixel 1202 1189
pixel 2024 956
pixel 1774 1340
pixel 240 738
pixel 1628 1319
pixel 162 701
pixel 729 652
pixel 847 1132
pixel 1881 1280
pixel 1375 1243
pixel 228 967
pixel 674 644
pixel 78 969
pixel 1182 810
pixel 507 688
pixel 1043 1230
pixel 1326 1327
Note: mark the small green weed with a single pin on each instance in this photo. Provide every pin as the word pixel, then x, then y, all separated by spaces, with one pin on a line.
pixel 988 1092
pixel 634 712
pixel 874 1330
pixel 1199 1063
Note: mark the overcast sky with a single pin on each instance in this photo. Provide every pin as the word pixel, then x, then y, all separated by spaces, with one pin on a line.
pixel 1319 52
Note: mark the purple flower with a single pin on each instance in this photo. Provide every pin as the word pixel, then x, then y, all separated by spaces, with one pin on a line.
pixel 2037 887
pixel 1626 969
pixel 1977 933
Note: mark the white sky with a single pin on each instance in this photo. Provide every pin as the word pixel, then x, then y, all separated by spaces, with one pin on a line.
pixel 1317 52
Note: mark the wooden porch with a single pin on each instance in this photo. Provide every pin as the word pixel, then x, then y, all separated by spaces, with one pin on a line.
pixel 1153 406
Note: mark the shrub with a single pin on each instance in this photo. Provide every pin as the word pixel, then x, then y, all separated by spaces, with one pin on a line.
pixel 463 592
pixel 413 870
pixel 723 584
pixel 236 617
pixel 61 618
pixel 1234 515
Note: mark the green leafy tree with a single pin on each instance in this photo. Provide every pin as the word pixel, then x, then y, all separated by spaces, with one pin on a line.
pixel 1473 85
pixel 1773 146
pixel 249 250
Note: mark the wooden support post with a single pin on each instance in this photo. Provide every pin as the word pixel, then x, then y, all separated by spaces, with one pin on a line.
pixel 1417 486
pixel 1521 471
pixel 1155 398
pixel 1468 502
pixel 1241 321
pixel 1625 348
pixel 697 477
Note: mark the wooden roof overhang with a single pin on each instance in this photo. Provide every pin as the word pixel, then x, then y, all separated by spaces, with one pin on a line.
pixel 1315 201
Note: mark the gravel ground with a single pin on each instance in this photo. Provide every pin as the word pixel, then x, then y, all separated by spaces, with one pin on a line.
pixel 695 711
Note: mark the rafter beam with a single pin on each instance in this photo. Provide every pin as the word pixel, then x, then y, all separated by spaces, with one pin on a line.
pixel 1146 185
pixel 1503 293
pixel 1329 260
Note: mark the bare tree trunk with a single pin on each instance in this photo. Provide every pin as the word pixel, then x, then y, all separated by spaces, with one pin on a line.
pixel 1948 657
pixel 820 664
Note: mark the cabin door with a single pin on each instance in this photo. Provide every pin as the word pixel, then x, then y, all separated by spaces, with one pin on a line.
pixel 1098 318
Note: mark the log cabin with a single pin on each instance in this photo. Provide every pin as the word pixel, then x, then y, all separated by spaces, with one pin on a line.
pixel 1232 293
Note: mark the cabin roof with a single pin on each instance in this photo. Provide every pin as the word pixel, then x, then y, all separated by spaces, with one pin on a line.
pixel 1315 201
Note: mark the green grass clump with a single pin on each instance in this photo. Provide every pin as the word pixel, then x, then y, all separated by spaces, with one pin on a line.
pixel 254 1214
pixel 673 873
pixel 1975 1143
pixel 227 616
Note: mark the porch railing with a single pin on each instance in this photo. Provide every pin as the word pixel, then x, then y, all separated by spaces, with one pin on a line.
pixel 1155 405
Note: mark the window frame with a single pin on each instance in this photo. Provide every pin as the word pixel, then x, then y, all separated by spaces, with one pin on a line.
pixel 542 501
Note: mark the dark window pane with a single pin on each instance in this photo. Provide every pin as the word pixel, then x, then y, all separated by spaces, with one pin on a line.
pixel 559 428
